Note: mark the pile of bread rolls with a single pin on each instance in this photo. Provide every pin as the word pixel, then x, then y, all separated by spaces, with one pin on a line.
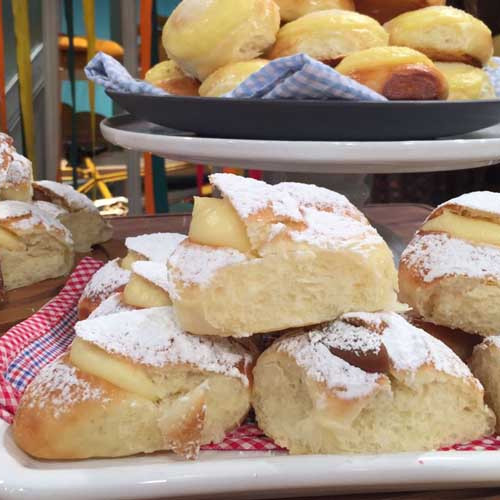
pixel 285 299
pixel 42 224
pixel 424 50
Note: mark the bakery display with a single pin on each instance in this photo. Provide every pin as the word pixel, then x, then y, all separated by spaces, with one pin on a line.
pixel 450 272
pixel 267 258
pixel 227 78
pixel 385 10
pixel 328 36
pixel 443 34
pixel 81 217
pixel 466 82
pixel 293 9
pixel 203 35
pixel 34 246
pixel 134 382
pixel 398 73
pixel 168 76
pixel 366 383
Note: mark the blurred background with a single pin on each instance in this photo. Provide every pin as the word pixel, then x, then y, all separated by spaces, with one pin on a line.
pixel 53 113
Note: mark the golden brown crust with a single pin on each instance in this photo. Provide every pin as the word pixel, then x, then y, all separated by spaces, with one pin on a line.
pixel 384 10
pixel 180 86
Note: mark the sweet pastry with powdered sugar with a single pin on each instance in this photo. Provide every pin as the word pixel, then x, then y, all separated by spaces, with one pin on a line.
pixel 450 272
pixel 111 305
pixel 16 172
pixel 366 383
pixel 34 246
pixel 266 258
pixel 121 391
pixel 80 215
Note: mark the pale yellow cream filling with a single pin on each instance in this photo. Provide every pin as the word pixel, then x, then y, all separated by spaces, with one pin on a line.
pixel 140 292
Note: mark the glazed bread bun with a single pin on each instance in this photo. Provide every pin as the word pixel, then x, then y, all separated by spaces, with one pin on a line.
pixel 466 82
pixel 227 78
pixel 485 364
pixel 16 173
pixel 293 9
pixel 450 272
pixel 201 36
pixel 34 246
pixel 82 218
pixel 168 76
pixel 266 258
pixel 366 383
pixel 444 34
pixel 134 382
pixel 328 36
pixel 398 73
pixel 384 10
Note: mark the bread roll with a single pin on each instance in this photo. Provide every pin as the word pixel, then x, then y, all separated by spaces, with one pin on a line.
pixel 267 258
pixel 34 246
pixel 82 218
pixel 293 9
pixel 444 34
pixel 384 10
pixel 329 36
pixel 134 383
pixel 16 173
pixel 201 36
pixel 398 73
pixel 227 78
pixel 168 76
pixel 466 82
pixel 366 383
pixel 450 272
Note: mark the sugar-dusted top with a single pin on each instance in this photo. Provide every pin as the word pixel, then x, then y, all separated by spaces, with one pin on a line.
pixel 11 209
pixel 437 255
pixel 107 280
pixel 153 337
pixel 74 200
pixel 51 208
pixel 485 201
pixel 17 172
pixel 113 304
pixel 157 247
pixel 154 272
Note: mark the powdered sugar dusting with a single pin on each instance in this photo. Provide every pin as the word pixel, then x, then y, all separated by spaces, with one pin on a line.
pixel 436 255
pixel 75 200
pixel 108 279
pixel 51 208
pixel 348 337
pixel 157 247
pixel 486 201
pixel 154 272
pixel 16 172
pixel 14 209
pixel 113 304
pixel 153 337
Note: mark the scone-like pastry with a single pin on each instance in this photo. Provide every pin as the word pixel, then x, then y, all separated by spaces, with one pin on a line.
pixel 266 258
pixel 168 76
pixel 329 36
pixel 466 82
pixel 228 77
pixel 398 73
pixel 111 278
pixel 367 383
pixel 134 382
pixel 34 246
pixel 450 272
pixel 86 224
pixel 16 176
pixel 293 9
pixel 444 34
pixel 204 35
pixel 111 305
pixel 384 10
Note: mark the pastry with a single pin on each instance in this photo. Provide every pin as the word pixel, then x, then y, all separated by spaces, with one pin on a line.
pixel 293 9
pixel 111 278
pixel 16 176
pixel 134 382
pixel 443 34
pixel 466 82
pixel 111 305
pixel 384 10
pixel 398 73
pixel 266 258
pixel 227 78
pixel 204 35
pixel 366 383
pixel 168 76
pixel 450 272
pixel 329 36
pixel 82 218
pixel 34 246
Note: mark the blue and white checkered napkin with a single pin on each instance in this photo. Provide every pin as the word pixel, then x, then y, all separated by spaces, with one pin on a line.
pixel 493 70
pixel 294 77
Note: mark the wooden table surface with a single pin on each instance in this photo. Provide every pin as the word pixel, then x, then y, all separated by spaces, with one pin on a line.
pixel 402 219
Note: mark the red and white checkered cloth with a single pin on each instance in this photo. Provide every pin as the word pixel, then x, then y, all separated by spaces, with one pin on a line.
pixel 40 339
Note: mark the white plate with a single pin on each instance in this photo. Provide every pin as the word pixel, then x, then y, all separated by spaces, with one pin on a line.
pixel 473 150
pixel 241 474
